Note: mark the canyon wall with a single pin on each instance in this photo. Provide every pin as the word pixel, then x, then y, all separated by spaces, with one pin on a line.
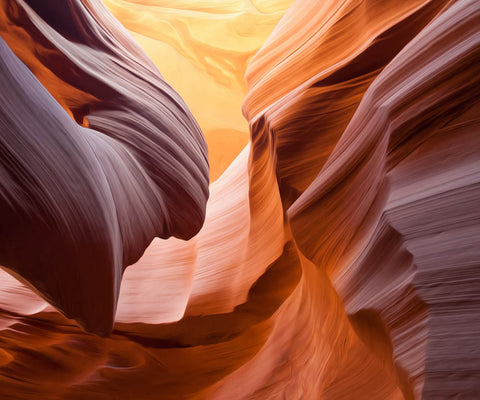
pixel 336 257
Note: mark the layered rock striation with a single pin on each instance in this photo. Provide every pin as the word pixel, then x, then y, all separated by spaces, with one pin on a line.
pixel 339 254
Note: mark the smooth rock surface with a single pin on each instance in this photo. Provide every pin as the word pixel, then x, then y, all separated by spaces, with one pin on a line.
pixel 339 255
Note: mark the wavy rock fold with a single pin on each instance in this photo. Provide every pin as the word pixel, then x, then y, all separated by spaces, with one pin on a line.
pixel 336 257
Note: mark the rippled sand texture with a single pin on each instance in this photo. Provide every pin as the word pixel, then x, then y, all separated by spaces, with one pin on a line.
pixel 202 48
pixel 339 255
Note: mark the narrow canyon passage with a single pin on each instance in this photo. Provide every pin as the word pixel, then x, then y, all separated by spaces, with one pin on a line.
pixel 242 199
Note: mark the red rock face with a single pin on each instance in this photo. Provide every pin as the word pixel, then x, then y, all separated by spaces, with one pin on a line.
pixel 339 254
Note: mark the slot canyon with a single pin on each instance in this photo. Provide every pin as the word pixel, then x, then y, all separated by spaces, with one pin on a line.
pixel 240 199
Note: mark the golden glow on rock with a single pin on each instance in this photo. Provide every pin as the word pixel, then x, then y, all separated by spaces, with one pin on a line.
pixel 202 49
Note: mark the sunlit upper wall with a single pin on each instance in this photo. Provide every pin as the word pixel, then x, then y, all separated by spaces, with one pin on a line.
pixel 202 48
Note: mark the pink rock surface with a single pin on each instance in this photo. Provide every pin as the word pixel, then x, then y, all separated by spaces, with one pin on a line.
pixel 80 204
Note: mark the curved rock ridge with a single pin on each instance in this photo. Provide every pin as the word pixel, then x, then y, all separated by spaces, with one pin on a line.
pixel 388 185
pixel 339 256
pixel 79 204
